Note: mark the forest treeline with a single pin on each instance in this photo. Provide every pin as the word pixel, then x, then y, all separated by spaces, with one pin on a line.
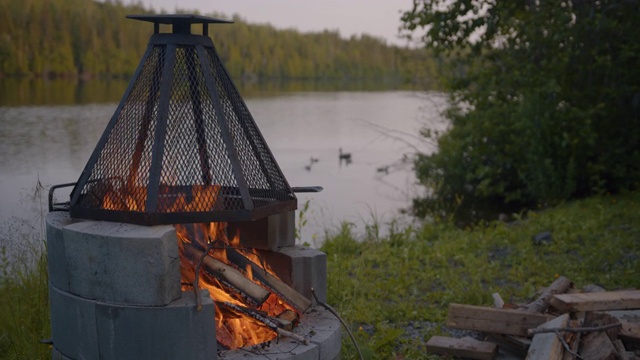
pixel 94 39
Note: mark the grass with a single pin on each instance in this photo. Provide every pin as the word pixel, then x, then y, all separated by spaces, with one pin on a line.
pixel 24 301
pixel 395 290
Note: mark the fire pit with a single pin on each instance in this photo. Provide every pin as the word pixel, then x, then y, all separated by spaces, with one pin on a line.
pixel 179 237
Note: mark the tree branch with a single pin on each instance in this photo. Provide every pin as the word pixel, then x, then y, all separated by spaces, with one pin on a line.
pixel 575 330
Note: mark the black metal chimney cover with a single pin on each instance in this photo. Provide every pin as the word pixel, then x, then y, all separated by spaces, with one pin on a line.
pixel 182 146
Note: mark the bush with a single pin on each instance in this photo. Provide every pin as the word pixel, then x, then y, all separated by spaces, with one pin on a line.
pixel 545 100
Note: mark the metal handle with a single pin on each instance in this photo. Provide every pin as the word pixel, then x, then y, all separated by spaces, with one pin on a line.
pixel 52 205
pixel 307 189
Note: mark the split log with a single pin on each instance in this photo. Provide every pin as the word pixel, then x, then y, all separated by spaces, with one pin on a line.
pixel 604 320
pixel 622 352
pixel 630 330
pixel 574 343
pixel 630 334
pixel 501 321
pixel 559 286
pixel 548 346
pixel 466 347
pixel 597 346
pixel 265 320
pixel 230 277
pixel 289 294
pixel 609 300
pixel 288 315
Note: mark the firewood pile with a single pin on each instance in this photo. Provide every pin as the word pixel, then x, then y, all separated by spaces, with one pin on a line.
pixel 563 323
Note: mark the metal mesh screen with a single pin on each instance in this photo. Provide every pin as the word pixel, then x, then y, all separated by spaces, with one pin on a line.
pixel 120 176
pixel 213 158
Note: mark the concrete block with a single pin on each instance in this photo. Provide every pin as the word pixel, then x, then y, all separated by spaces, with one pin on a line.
pixel 268 233
pixel 73 325
pixel 176 331
pixel 57 264
pixel 56 355
pixel 301 267
pixel 122 263
pixel 282 349
pixel 317 324
pixel 88 329
pixel 323 329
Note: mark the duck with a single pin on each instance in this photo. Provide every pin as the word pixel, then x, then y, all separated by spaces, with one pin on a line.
pixel 344 156
pixel 314 160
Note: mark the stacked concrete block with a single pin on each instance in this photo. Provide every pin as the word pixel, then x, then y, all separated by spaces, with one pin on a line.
pixel 115 294
pixel 320 327
pixel 301 267
pixel 269 233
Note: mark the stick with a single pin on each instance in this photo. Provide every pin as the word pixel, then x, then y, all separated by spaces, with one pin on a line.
pixel 576 330
pixel 270 324
pixel 197 276
pixel 566 346
pixel 335 313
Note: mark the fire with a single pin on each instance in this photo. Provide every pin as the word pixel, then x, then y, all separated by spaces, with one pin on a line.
pixel 233 329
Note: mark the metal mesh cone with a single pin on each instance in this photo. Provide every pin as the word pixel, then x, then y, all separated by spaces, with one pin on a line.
pixel 181 147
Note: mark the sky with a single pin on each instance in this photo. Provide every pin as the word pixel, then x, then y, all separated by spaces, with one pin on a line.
pixel 379 18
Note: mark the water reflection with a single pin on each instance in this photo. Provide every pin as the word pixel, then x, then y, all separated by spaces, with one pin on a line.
pixel 29 92
pixel 350 143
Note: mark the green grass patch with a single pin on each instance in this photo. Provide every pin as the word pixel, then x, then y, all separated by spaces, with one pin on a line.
pixel 24 299
pixel 395 291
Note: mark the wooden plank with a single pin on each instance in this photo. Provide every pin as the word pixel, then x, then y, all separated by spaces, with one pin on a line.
pixel 466 347
pixel 501 321
pixel 547 346
pixel 609 300
pixel 597 346
pixel 516 344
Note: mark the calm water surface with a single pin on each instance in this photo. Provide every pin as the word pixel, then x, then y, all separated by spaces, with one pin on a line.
pixel 51 144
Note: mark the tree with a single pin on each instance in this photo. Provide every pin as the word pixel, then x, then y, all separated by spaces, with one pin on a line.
pixel 545 99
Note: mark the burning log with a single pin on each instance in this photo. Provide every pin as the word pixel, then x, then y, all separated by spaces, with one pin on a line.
pixel 265 320
pixel 230 277
pixel 285 291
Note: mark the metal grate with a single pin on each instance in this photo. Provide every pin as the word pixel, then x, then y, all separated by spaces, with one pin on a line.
pixel 182 145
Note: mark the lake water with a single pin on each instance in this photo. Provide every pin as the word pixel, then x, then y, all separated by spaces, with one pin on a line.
pixel 50 144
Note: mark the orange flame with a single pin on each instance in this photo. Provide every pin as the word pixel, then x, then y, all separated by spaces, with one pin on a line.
pixel 233 329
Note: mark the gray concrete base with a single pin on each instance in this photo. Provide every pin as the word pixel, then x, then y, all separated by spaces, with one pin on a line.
pixel 269 233
pixel 301 267
pixel 113 262
pixel 88 329
pixel 318 325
